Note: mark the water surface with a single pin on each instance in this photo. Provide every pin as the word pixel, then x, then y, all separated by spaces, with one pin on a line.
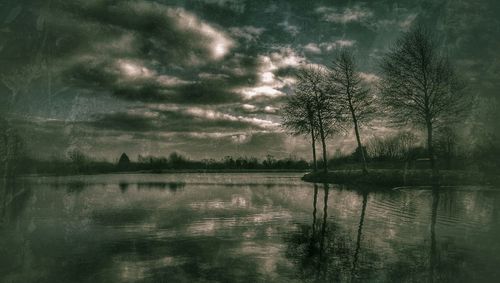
pixel 243 228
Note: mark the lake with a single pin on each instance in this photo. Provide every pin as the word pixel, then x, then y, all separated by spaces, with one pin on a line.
pixel 265 227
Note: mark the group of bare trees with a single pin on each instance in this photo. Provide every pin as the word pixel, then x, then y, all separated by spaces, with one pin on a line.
pixel 327 101
pixel 312 111
pixel 418 87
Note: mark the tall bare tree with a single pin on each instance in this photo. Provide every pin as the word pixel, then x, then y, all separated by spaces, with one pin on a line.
pixel 351 92
pixel 312 80
pixel 299 118
pixel 420 86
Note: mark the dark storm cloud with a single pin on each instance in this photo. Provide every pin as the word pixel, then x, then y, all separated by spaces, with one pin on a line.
pixel 160 38
pixel 124 121
pixel 178 119
pixel 136 50
pixel 142 50
pixel 115 133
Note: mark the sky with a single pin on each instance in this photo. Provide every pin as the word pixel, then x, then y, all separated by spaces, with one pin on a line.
pixel 206 78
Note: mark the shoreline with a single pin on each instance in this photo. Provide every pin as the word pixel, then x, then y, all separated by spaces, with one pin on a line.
pixel 375 177
pixel 399 178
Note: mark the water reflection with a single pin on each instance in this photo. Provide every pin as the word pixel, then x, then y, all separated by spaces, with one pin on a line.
pixel 358 237
pixel 114 229
pixel 171 186
pixel 328 252
pixel 123 186
pixel 329 255
pixel 433 258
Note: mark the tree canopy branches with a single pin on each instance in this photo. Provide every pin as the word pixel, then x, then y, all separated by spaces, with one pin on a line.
pixel 420 86
pixel 311 109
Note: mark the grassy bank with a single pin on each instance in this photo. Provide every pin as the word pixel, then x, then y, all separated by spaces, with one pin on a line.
pixel 395 178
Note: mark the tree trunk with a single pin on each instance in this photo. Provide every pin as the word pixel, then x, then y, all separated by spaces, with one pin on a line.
pixel 321 130
pixel 323 143
pixel 358 139
pixel 449 153
pixel 430 151
pixel 355 121
pixel 313 143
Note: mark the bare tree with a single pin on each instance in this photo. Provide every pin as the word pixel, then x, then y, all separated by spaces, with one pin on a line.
pixel 447 144
pixel 420 86
pixel 312 80
pixel 352 94
pixel 299 118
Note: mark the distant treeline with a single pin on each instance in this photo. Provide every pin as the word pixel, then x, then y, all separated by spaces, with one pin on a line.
pixel 79 163
pixel 401 150
pixel 394 151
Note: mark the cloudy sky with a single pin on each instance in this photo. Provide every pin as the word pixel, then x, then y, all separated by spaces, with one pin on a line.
pixel 203 77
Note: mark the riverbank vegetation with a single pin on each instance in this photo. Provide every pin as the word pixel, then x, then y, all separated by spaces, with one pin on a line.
pixel 398 177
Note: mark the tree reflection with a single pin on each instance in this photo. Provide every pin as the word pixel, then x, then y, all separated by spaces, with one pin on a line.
pixel 315 202
pixel 437 258
pixel 433 257
pixel 323 227
pixel 358 238
pixel 323 252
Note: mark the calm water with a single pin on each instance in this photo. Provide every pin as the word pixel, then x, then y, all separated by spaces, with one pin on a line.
pixel 243 228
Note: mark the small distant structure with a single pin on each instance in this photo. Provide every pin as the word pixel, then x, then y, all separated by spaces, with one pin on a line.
pixel 124 161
